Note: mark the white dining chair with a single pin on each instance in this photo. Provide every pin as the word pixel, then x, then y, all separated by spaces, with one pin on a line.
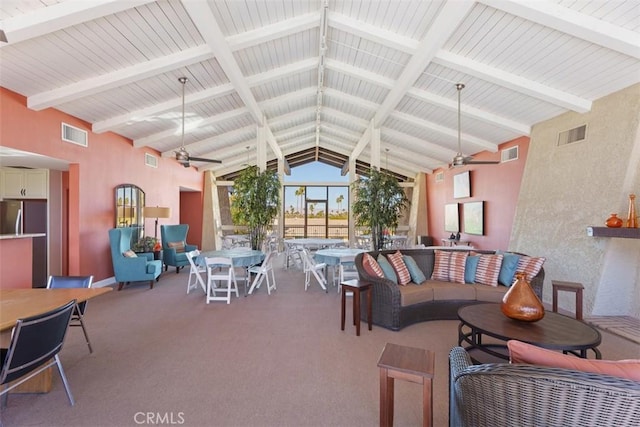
pixel 262 272
pixel 315 268
pixel 196 272
pixel 220 269
pixel 347 270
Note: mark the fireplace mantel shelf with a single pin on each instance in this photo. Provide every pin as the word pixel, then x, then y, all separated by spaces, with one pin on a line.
pixel 628 233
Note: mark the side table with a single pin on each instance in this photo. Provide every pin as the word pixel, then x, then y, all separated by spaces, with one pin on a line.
pixel 409 364
pixel 356 286
pixel 574 287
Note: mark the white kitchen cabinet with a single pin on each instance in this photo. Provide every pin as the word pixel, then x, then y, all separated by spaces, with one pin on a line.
pixel 24 183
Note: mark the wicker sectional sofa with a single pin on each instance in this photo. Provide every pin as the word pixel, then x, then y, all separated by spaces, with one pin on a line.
pixel 395 306
pixel 517 395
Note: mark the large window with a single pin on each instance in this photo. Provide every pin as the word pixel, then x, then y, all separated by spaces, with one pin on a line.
pixel 316 211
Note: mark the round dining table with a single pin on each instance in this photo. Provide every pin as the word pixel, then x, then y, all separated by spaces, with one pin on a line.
pixel 315 242
pixel 240 257
pixel 332 256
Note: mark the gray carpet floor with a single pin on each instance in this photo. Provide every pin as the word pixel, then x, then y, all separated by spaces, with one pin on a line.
pixel 163 357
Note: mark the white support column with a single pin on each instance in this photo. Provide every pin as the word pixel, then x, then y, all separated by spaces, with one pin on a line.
pixel 281 172
pixel 261 148
pixel 211 222
pixel 375 146
pixel 352 222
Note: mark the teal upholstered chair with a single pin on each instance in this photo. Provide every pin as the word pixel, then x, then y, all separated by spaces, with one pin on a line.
pixel 175 246
pixel 136 268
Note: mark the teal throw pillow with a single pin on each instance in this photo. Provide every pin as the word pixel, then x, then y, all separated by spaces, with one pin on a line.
pixel 417 276
pixel 508 268
pixel 470 268
pixel 387 269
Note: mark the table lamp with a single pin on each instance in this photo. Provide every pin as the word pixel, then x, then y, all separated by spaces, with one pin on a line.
pixel 156 212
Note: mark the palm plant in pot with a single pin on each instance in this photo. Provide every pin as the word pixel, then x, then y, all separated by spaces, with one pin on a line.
pixel 255 202
pixel 379 202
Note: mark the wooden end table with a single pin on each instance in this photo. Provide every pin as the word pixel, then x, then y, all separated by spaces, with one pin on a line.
pixel 554 332
pixel 356 286
pixel 409 364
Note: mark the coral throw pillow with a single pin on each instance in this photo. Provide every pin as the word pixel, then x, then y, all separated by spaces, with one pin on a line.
pixel 530 266
pixel 449 266
pixel 488 269
pixel 520 352
pixel 371 266
pixel 179 246
pixel 399 266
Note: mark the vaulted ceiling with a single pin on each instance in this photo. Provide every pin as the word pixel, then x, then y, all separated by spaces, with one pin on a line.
pixel 319 80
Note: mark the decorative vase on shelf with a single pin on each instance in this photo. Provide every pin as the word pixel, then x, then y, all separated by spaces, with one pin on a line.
pixel 520 302
pixel 632 219
pixel 613 221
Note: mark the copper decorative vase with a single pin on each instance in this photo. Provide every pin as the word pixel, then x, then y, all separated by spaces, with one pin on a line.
pixel 521 303
pixel 632 219
pixel 613 221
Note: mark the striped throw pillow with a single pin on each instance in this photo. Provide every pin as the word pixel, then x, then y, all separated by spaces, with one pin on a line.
pixel 488 269
pixel 399 266
pixel 449 266
pixel 371 266
pixel 530 266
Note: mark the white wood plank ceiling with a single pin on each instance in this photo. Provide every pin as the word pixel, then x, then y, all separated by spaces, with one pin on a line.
pixel 320 77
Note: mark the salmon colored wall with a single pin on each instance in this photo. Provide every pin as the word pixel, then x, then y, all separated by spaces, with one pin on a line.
pixel 497 185
pixel 108 161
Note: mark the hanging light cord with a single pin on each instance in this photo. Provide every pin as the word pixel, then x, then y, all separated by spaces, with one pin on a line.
pixel 182 80
pixel 459 86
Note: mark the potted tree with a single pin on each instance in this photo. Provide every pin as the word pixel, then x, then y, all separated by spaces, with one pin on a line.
pixel 379 202
pixel 255 202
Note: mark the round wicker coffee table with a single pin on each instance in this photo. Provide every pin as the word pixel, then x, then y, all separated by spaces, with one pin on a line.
pixel 554 332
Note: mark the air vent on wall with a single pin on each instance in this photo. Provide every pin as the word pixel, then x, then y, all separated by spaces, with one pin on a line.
pixel 509 154
pixel 570 136
pixel 75 135
pixel 440 177
pixel 150 160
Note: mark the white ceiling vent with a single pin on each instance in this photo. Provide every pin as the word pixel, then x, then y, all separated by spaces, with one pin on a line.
pixel 509 154
pixel 150 160
pixel 75 135
pixel 570 136
pixel 440 177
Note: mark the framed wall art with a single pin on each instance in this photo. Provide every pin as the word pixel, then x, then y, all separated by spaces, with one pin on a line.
pixel 451 218
pixel 473 217
pixel 461 185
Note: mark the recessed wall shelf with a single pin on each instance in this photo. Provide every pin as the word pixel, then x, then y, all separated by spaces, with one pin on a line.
pixel 628 233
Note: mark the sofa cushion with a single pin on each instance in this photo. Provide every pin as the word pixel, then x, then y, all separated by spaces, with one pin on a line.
pixel 449 266
pixel 178 246
pixel 371 266
pixel 387 269
pixel 470 268
pixel 399 267
pixel 530 266
pixel 520 352
pixel 445 291
pixel 414 294
pixel 417 276
pixel 488 269
pixel 508 268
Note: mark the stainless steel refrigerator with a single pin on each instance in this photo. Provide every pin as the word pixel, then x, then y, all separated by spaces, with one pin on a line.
pixel 28 216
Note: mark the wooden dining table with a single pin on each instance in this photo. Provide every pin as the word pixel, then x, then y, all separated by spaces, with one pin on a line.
pixel 18 304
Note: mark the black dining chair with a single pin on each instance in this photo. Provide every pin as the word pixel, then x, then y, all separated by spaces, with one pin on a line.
pixel 34 347
pixel 74 282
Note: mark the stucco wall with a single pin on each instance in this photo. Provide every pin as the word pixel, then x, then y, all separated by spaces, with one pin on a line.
pixel 567 188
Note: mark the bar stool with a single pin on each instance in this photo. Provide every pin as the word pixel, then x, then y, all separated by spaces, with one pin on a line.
pixel 558 285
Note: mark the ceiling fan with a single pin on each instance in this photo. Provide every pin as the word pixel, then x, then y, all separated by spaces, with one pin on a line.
pixel 460 159
pixel 182 155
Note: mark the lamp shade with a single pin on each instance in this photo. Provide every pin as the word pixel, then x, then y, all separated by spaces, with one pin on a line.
pixel 156 212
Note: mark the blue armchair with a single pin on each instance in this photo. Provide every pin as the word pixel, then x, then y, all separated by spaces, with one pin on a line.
pixel 131 267
pixel 174 246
